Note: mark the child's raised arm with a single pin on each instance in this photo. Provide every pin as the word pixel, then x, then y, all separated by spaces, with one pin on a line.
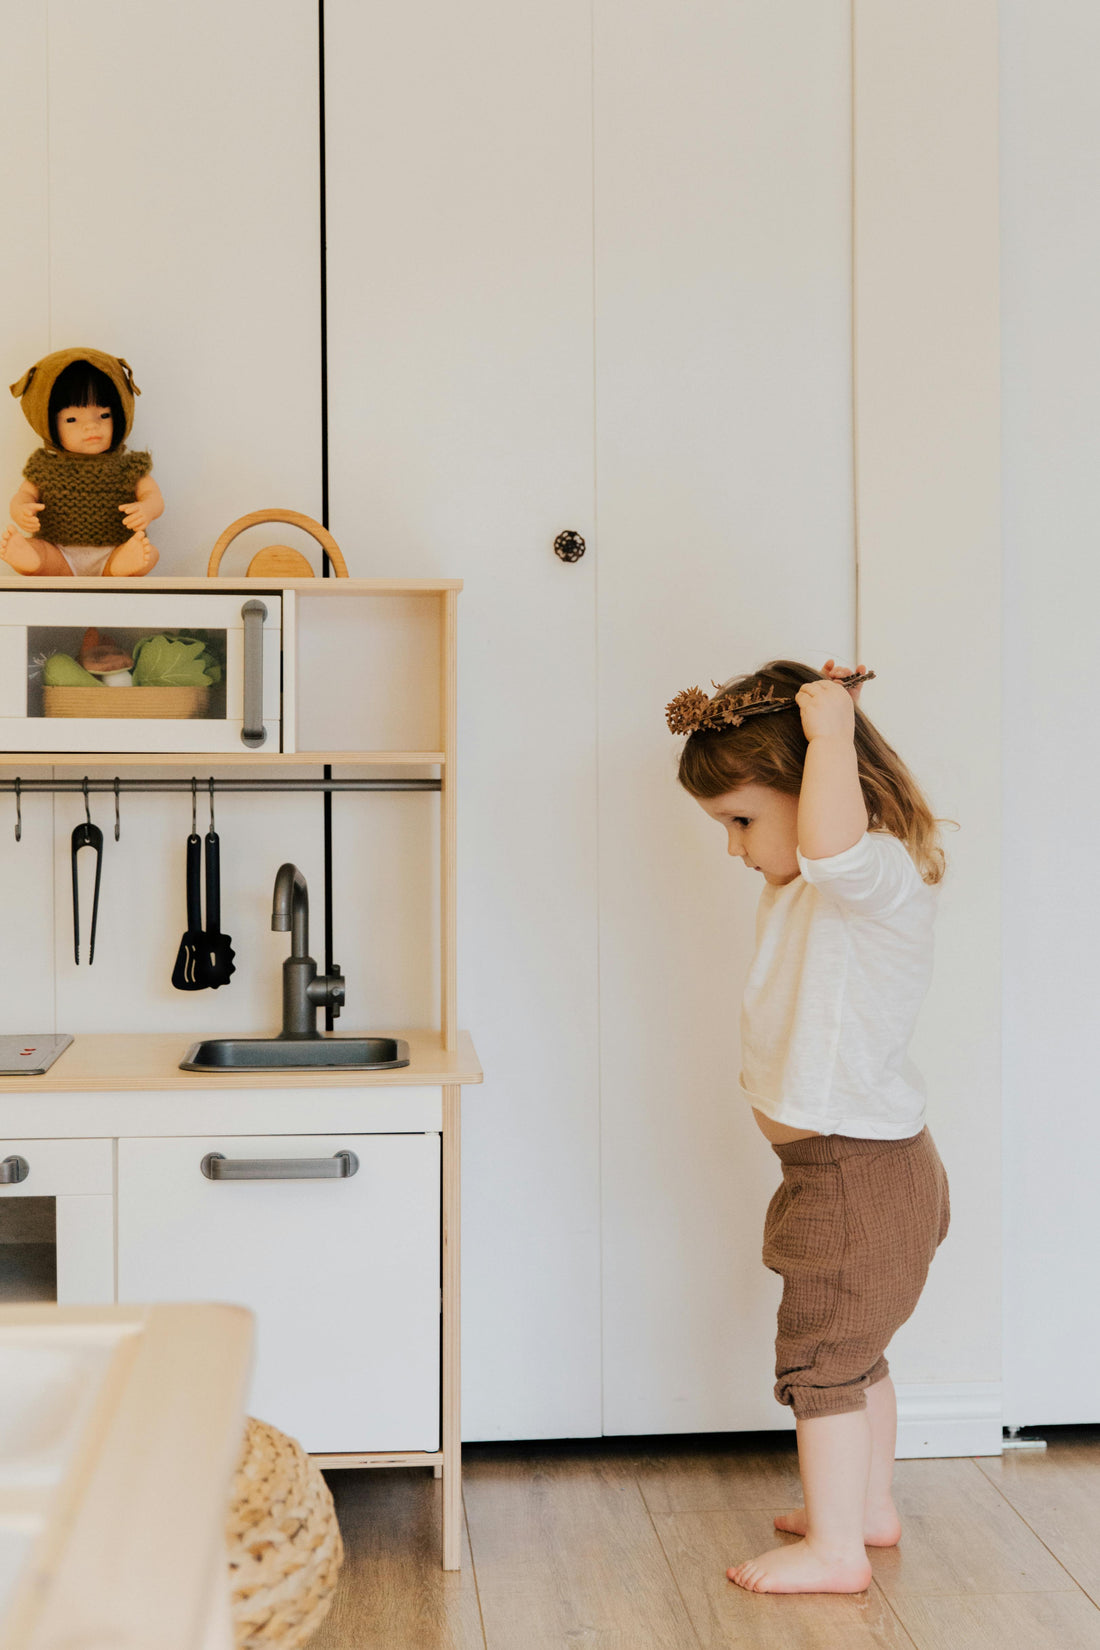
pixel 832 815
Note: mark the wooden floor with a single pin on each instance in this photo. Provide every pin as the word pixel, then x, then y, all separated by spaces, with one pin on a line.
pixel 623 1544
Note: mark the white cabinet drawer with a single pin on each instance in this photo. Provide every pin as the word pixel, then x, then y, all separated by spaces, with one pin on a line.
pixel 60 1168
pixel 343 1275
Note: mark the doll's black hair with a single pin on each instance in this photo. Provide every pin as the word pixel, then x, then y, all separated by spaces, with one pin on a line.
pixel 82 385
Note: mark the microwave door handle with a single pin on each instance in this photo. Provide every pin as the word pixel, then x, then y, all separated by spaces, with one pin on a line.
pixel 253 732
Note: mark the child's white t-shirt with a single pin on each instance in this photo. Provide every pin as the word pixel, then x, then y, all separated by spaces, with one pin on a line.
pixel 843 962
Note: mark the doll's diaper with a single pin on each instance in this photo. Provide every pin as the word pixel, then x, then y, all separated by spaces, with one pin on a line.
pixel 86 560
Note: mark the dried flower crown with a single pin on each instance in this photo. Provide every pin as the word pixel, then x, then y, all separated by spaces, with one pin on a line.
pixel 691 711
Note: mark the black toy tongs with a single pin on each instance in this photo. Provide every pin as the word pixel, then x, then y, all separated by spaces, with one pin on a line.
pixel 86 835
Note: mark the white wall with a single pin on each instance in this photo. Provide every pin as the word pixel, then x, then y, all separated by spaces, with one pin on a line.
pixel 1050 182
pixel 590 270
pixel 176 225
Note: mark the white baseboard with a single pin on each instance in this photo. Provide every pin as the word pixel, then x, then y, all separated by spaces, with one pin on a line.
pixel 941 1418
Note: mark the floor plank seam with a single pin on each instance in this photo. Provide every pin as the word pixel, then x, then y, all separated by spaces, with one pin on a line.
pixel 473 1571
pixel 668 1562
pixel 1065 1567
pixel 898 1623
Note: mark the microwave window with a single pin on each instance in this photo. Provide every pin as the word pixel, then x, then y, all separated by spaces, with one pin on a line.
pixel 125 672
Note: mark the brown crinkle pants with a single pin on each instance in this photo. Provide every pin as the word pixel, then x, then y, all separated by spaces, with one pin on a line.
pixel 852 1232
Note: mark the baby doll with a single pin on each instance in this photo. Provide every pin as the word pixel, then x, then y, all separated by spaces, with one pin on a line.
pixel 83 491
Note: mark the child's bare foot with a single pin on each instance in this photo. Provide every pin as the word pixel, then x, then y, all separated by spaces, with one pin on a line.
pixel 131 559
pixel 881 1526
pixel 799 1569
pixel 19 552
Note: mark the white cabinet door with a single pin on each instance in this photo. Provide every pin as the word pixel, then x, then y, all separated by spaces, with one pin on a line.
pixel 459 190
pixel 342 1274
pixel 722 138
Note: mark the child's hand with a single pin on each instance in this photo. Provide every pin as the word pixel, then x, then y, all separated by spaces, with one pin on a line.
pixel 831 668
pixel 136 515
pixel 827 711
pixel 26 516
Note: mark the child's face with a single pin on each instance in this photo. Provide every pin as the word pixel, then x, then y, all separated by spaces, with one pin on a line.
pixel 762 826
pixel 85 429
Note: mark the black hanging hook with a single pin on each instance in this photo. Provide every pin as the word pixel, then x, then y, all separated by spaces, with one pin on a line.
pixel 210 782
pixel 18 810
pixel 194 806
pixel 118 823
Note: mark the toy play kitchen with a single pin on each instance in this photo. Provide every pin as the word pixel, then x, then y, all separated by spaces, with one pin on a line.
pixel 309 1175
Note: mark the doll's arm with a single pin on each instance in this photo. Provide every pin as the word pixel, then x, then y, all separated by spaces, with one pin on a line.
pixel 25 508
pixel 146 506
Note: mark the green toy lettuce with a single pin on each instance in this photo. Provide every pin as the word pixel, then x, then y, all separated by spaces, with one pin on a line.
pixel 175 660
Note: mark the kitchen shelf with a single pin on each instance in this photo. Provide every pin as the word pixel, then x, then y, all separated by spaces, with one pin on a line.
pixel 254 587
pixel 23 760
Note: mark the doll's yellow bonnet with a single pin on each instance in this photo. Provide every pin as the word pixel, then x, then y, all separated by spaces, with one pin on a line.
pixel 34 387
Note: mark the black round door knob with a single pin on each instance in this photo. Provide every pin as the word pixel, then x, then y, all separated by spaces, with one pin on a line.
pixel 569 546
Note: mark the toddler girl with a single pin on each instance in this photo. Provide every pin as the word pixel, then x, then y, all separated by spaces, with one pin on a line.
pixel 815 801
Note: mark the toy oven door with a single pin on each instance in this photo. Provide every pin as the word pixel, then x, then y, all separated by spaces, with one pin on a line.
pixel 177 672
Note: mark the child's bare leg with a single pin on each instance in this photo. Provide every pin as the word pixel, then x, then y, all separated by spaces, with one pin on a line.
pixel 33 556
pixel 834 1458
pixel 882 1515
pixel 881 1525
pixel 131 559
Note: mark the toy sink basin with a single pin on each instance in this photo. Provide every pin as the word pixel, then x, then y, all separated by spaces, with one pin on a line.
pixel 289 1054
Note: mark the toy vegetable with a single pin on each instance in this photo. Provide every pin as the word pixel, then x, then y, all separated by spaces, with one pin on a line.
pixel 85 501
pixel 102 657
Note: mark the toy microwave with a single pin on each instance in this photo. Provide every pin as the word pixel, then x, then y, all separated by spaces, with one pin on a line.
pixel 140 671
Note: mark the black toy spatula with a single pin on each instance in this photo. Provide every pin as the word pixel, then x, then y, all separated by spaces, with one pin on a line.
pixel 189 973
pixel 217 949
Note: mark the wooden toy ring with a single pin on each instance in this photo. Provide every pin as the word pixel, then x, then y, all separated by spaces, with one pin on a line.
pixel 279 560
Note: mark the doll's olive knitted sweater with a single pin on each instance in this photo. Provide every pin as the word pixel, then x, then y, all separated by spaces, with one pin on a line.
pixel 82 493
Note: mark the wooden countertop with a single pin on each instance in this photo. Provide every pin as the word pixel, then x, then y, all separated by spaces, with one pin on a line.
pixel 111 1061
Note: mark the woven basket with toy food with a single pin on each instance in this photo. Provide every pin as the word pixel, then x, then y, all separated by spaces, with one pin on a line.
pixel 166 675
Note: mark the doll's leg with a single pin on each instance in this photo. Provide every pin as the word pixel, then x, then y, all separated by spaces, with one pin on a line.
pixel 33 557
pixel 131 559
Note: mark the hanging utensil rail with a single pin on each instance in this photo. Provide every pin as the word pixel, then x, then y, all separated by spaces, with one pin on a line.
pixel 112 787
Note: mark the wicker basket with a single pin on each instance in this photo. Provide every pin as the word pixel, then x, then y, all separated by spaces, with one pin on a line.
pixel 175 703
pixel 283 1540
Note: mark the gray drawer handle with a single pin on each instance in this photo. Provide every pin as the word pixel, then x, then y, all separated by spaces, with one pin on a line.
pixel 341 1166
pixel 253 732
pixel 13 1170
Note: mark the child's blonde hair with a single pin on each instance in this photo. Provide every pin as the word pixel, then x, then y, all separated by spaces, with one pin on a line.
pixel 771 750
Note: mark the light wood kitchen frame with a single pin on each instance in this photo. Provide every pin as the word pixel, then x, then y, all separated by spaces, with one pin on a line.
pixel 447 1461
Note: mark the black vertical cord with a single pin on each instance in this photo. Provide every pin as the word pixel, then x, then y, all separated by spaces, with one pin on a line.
pixel 327 803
